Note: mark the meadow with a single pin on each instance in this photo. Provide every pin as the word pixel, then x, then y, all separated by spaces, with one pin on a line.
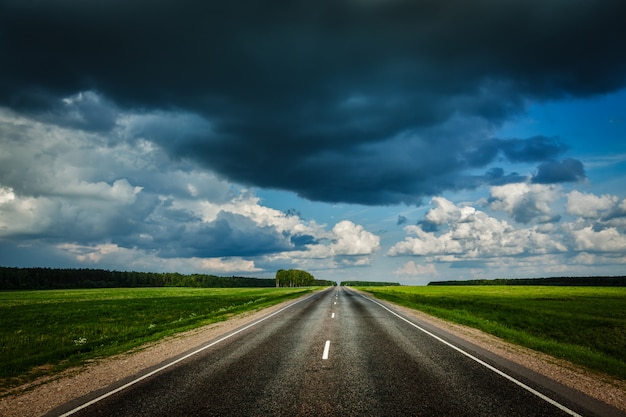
pixel 584 325
pixel 42 332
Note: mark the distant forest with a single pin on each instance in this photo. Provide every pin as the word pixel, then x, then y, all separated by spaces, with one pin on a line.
pixel 51 278
pixel 555 281
pixel 368 283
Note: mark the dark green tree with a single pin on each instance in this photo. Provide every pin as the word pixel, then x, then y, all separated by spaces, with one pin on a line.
pixel 293 278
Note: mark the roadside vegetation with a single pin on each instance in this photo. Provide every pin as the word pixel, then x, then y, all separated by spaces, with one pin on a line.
pixel 600 281
pixel 43 332
pixel 67 278
pixel 369 283
pixel 584 325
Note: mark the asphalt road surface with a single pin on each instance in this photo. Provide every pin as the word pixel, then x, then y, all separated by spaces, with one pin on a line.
pixel 337 353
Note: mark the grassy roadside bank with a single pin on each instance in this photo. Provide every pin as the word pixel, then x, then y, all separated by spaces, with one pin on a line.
pixel 584 325
pixel 42 332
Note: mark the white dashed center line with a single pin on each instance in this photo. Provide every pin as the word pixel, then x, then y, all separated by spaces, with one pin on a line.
pixel 326 349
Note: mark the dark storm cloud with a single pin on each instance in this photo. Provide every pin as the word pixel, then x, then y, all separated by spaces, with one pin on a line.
pixel 300 241
pixel 32 255
pixel 538 148
pixel 495 176
pixel 568 170
pixel 85 110
pixel 353 100
pixel 229 234
pixel 236 235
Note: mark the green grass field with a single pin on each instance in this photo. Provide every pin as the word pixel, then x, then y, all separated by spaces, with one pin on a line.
pixel 584 325
pixel 42 332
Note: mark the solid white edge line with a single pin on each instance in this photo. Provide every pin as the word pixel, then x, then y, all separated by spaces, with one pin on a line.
pixel 149 374
pixel 326 350
pixel 485 364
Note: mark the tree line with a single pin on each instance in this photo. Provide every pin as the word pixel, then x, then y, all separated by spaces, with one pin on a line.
pixel 54 278
pixel 368 283
pixel 299 278
pixel 554 281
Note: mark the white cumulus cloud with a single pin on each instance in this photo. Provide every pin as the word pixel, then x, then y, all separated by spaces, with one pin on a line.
pixel 605 240
pixel 412 269
pixel 472 234
pixel 589 205
pixel 525 202
pixel 353 239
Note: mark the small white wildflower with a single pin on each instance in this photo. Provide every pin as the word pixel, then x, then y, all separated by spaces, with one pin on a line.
pixel 80 341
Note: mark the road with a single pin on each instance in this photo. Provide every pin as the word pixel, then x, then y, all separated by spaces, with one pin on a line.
pixel 337 353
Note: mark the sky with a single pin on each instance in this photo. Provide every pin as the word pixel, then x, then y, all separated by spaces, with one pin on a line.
pixel 379 140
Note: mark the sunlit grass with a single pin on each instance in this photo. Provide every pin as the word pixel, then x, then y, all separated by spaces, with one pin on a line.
pixel 585 325
pixel 45 331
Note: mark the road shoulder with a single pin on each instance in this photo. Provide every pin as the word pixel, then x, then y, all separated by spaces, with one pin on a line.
pixel 602 387
pixel 45 394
